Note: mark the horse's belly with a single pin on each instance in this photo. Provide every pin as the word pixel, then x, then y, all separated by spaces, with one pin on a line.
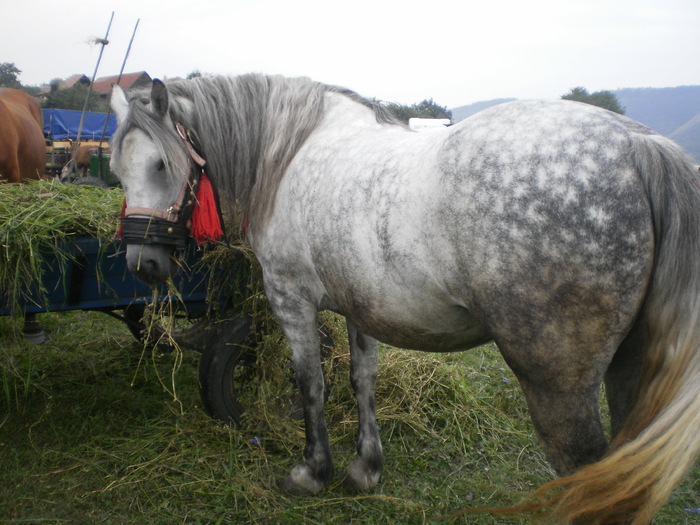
pixel 413 338
pixel 417 324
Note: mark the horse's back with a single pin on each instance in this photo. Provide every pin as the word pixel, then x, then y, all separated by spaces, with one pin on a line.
pixel 543 182
pixel 23 151
pixel 24 101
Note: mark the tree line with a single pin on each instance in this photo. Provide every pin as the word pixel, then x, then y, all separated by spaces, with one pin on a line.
pixel 55 98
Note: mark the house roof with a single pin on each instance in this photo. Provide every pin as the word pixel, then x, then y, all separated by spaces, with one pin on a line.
pixel 73 80
pixel 103 85
pixel 67 83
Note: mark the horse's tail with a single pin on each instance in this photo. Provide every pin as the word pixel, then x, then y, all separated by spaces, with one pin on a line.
pixel 659 442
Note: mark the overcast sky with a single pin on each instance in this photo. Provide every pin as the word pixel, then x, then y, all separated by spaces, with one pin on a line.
pixel 453 51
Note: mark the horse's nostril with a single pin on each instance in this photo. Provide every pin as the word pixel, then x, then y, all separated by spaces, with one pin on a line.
pixel 150 263
pixel 148 266
pixel 149 272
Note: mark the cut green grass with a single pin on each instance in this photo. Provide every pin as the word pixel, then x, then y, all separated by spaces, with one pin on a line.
pixel 96 429
pixel 90 435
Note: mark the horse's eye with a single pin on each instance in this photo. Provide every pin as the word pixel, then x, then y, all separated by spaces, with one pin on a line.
pixel 161 165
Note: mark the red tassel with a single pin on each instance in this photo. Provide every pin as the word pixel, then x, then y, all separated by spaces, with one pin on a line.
pixel 206 223
pixel 122 214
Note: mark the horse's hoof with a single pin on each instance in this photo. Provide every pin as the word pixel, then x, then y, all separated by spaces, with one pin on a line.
pixel 360 477
pixel 300 483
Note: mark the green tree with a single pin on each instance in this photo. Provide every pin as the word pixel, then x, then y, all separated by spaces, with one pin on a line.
pixel 428 108
pixel 603 99
pixel 74 98
pixel 8 75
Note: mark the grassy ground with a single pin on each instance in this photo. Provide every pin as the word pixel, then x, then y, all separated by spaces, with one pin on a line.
pixel 95 430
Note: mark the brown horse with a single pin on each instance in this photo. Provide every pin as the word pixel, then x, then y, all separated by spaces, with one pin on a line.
pixel 22 156
pixel 22 146
pixel 82 156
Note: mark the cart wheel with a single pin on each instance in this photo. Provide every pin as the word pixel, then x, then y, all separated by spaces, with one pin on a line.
pixel 133 316
pixel 191 334
pixel 89 180
pixel 226 369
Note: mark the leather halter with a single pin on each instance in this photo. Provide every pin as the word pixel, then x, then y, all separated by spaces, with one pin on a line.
pixel 170 227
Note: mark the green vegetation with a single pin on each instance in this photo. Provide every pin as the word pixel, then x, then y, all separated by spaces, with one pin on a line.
pixel 70 98
pixel 38 218
pixel 95 429
pixel 8 75
pixel 603 99
pixel 74 98
pixel 428 108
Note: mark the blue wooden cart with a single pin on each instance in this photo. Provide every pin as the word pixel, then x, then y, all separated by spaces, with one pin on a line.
pixel 94 277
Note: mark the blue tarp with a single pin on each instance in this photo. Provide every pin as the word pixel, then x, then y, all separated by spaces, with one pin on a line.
pixel 63 124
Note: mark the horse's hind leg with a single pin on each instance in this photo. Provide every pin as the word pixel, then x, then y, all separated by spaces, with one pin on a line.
pixel 568 423
pixel 9 166
pixel 560 375
pixel 365 470
pixel 622 376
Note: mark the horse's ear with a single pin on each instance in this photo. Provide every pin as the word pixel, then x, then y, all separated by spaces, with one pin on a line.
pixel 119 103
pixel 159 98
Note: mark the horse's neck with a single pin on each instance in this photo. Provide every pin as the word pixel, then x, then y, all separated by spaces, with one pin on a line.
pixel 343 113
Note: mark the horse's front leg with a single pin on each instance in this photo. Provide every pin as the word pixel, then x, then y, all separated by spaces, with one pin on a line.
pixel 316 468
pixel 365 470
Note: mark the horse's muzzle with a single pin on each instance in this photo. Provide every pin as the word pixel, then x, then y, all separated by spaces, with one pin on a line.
pixel 151 263
pixel 151 246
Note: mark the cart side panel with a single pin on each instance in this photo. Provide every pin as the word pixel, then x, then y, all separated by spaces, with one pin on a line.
pixel 97 278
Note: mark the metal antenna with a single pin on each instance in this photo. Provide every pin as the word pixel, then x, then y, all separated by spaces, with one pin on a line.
pixel 109 108
pixel 103 43
pixel 119 78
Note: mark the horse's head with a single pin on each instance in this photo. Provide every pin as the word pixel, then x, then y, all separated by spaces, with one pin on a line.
pixel 159 175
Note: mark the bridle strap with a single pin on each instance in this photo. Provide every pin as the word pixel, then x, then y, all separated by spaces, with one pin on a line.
pixel 166 215
pixel 189 142
pixel 142 230
pixel 172 213
pixel 142 225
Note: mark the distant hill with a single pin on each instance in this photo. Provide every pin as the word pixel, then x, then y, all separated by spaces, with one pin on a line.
pixel 463 112
pixel 673 112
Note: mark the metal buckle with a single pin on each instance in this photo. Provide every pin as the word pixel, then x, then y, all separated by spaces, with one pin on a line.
pixel 184 135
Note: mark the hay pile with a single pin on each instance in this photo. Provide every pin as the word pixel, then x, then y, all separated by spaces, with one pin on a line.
pixel 39 218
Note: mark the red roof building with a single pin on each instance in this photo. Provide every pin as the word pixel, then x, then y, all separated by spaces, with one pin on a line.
pixel 66 84
pixel 103 85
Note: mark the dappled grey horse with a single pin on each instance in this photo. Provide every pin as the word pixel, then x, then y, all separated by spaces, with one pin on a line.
pixel 565 233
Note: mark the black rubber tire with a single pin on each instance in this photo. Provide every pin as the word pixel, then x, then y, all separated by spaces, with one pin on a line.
pixel 133 316
pixel 194 337
pixel 89 180
pixel 227 366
